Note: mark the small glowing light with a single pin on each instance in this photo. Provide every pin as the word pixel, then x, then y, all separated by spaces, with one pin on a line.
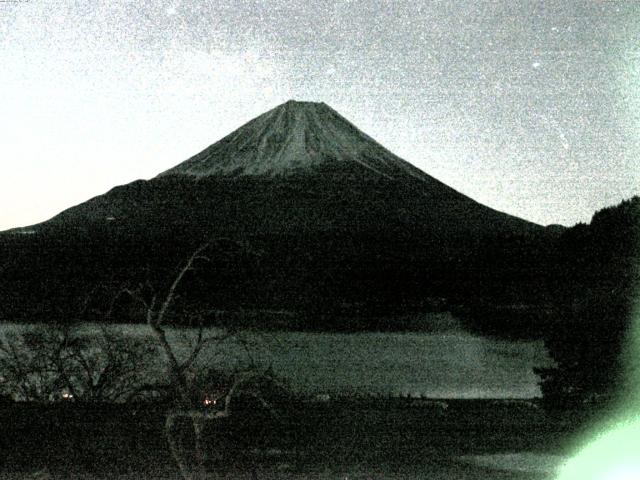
pixel 207 402
pixel 67 396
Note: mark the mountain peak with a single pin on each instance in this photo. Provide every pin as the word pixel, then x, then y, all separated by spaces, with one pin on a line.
pixel 301 103
pixel 296 136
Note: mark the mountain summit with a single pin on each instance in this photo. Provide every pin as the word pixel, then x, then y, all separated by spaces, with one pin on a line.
pixel 292 138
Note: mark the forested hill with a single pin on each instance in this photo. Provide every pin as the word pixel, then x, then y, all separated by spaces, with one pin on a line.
pixel 546 280
pixel 598 296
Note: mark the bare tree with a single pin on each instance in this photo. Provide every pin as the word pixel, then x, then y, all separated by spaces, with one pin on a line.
pixel 63 362
pixel 23 376
pixel 195 402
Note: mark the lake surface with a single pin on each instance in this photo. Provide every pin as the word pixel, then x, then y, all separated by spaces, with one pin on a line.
pixel 447 362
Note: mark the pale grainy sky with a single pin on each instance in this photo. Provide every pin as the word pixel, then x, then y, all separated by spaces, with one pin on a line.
pixel 530 107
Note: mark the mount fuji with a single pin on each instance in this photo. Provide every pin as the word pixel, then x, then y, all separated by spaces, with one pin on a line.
pixel 305 212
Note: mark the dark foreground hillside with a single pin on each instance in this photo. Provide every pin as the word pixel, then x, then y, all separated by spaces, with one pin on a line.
pixel 379 439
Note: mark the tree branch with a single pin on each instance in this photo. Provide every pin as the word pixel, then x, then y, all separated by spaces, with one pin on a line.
pixel 159 318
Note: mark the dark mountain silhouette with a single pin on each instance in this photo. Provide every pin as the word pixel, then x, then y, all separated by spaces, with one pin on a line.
pixel 296 146
pixel 304 212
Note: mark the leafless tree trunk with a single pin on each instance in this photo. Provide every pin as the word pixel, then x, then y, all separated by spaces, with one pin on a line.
pixel 189 408
pixel 199 418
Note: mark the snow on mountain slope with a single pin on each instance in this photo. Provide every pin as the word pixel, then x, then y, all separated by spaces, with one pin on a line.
pixel 294 137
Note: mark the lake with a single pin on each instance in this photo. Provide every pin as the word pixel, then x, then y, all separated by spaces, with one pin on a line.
pixel 446 362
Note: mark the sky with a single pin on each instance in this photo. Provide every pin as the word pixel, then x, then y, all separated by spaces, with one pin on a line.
pixel 530 107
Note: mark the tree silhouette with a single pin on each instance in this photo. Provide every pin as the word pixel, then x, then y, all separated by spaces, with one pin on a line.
pixel 599 280
pixel 199 396
pixel 65 362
